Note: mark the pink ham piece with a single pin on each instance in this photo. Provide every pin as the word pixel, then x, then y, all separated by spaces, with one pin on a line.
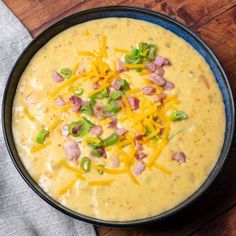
pixel 160 97
pixel 134 103
pixel 139 147
pixel 98 109
pixel 161 61
pixel 64 130
pixel 159 71
pixel 77 102
pixel 80 71
pixel 115 84
pixel 151 66
pixel 169 85
pixel 57 77
pixel 72 150
pixel 95 85
pixel 139 137
pixel 112 123
pixel 139 168
pixel 97 130
pixel 179 157
pixel 102 152
pixel 157 79
pixel 148 90
pixel 76 129
pixel 60 102
pixel 140 155
pixel 121 131
pixel 115 162
pixel 120 66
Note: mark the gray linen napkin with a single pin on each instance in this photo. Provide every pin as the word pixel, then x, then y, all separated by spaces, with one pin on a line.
pixel 22 212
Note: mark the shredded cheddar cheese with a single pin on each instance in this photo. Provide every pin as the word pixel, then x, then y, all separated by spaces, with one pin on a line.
pixel 39 147
pixel 100 182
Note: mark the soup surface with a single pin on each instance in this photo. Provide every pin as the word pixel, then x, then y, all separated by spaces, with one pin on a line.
pixel 118 119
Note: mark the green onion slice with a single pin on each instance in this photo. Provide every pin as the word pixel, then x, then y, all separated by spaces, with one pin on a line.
pixel 102 94
pixel 112 106
pixel 101 171
pixel 66 73
pixel 41 136
pixel 85 124
pixel 111 140
pixel 124 85
pixel 85 164
pixel 79 91
pixel 178 116
pixel 115 95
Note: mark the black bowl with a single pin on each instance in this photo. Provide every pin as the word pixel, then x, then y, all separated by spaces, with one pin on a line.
pixel 130 12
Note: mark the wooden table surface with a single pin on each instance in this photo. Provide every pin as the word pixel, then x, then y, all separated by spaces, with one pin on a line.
pixel 215 21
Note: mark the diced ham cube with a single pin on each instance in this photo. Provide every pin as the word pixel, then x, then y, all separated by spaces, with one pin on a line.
pixel 80 71
pixel 160 97
pixel 95 85
pixel 134 103
pixel 72 150
pixel 57 77
pixel 64 130
pixel 60 102
pixel 112 123
pixel 179 157
pixel 160 71
pixel 157 79
pixel 77 102
pixel 120 66
pixel 97 130
pixel 115 162
pixel 161 61
pixel 140 155
pixel 139 137
pixel 121 131
pixel 151 66
pixel 139 168
pixel 169 85
pixel 148 90
pixel 115 84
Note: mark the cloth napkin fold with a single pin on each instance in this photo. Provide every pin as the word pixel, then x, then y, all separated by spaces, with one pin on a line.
pixel 22 212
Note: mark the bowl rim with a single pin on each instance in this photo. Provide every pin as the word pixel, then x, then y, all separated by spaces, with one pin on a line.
pixel 216 170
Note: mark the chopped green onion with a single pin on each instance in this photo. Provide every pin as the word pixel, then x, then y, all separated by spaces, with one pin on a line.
pixel 101 171
pixel 148 132
pixel 115 95
pixel 78 91
pixel 124 85
pixel 112 106
pixel 111 140
pixel 92 101
pixel 144 52
pixel 87 109
pixel 103 94
pixel 133 59
pixel 175 134
pixel 66 73
pixel 86 126
pixel 85 164
pixel 41 136
pixel 95 145
pixel 96 153
pixel 178 116
pixel 151 53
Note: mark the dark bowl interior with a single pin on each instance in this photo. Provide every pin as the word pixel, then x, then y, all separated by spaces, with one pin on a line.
pixel 130 12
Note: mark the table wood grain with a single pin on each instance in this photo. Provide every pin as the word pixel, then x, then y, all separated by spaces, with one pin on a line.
pixel 215 21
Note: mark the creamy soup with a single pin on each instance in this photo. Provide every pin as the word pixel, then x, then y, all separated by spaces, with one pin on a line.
pixel 118 119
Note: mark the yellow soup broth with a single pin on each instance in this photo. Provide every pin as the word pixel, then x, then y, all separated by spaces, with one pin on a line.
pixel 180 133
